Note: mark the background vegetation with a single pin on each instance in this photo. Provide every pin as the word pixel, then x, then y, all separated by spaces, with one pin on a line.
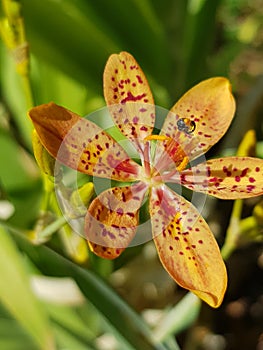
pixel 54 293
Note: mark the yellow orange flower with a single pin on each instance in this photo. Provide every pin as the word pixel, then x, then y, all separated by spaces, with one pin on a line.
pixel 185 244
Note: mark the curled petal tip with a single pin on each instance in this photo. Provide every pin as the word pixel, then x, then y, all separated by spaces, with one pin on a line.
pixel 214 295
pixel 187 247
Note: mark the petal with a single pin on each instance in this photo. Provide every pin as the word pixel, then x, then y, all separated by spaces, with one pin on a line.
pixel 226 178
pixel 128 94
pixel 81 144
pixel 112 219
pixel 211 107
pixel 186 246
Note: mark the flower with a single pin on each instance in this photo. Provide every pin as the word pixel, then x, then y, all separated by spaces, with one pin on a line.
pixel 185 244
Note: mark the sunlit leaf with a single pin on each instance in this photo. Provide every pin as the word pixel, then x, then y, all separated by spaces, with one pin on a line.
pixel 123 318
pixel 16 295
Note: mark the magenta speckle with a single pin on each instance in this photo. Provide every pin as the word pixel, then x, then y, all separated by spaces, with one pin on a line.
pixel 250 188
pixel 244 172
pixel 131 97
pixel 139 79
pixel 226 171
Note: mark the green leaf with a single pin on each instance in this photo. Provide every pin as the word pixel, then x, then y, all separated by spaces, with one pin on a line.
pixel 17 296
pixel 13 91
pixel 17 170
pixel 179 318
pixel 63 35
pixel 79 36
pixel 126 321
pixel 13 337
pixel 198 39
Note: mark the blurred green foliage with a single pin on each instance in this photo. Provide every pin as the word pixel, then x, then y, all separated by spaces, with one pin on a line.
pixel 177 43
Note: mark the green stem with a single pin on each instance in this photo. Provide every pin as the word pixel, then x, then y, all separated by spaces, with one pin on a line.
pixel 52 228
pixel 27 87
pixel 233 230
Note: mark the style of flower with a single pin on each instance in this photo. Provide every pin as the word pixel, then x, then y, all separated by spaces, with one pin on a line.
pixel 185 244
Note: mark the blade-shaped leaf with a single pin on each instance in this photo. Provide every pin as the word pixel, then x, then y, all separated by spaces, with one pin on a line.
pixel 126 322
pixel 16 295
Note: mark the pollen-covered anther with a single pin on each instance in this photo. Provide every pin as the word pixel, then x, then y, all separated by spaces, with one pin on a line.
pixel 173 150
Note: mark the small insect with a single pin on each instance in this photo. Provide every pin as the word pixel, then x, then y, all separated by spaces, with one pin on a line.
pixel 186 125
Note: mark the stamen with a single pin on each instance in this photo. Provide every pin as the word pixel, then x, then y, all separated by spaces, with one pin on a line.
pixel 173 154
pixel 183 164
pixel 157 137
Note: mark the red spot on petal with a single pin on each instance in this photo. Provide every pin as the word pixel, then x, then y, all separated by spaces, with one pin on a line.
pixel 250 188
pixel 131 97
pixel 139 79
pixel 251 179
pixel 226 171
pixel 244 172
pixel 237 178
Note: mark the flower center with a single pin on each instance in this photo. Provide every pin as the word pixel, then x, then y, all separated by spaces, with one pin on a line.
pixel 168 159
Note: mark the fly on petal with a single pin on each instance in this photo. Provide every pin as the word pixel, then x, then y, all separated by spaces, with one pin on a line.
pixel 206 111
pixel 186 246
pixel 129 97
pixel 112 219
pixel 225 178
pixel 81 144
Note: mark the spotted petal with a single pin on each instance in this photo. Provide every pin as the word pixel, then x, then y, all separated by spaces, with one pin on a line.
pixel 210 106
pixel 129 97
pixel 81 144
pixel 186 246
pixel 112 219
pixel 226 178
